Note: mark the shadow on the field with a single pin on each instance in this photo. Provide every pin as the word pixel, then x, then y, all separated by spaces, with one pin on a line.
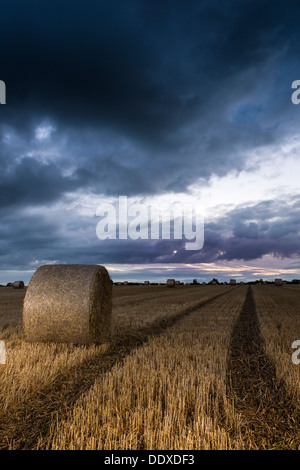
pixel 23 427
pixel 269 415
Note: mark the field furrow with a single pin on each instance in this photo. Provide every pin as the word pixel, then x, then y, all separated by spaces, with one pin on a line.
pixel 267 411
pixel 43 379
pixel 278 312
pixel 169 394
pixel 195 367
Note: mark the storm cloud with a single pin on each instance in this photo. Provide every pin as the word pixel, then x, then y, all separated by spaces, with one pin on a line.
pixel 142 98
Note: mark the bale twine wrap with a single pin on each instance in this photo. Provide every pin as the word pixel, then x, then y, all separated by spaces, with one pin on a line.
pixel 68 304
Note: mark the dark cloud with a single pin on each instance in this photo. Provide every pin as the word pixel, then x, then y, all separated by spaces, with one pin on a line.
pixel 142 98
pixel 31 183
pixel 191 88
pixel 244 234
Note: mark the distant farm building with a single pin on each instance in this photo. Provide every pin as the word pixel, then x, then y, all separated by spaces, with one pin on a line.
pixel 146 283
pixel 177 283
pixel 18 285
pixel 171 283
pixel 232 282
pixel 278 282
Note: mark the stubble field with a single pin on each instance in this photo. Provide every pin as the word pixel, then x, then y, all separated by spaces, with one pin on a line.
pixel 195 367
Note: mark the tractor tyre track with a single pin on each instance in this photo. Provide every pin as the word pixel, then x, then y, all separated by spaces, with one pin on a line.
pixel 22 428
pixel 269 416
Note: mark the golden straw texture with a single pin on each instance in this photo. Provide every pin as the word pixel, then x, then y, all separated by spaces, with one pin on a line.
pixel 68 304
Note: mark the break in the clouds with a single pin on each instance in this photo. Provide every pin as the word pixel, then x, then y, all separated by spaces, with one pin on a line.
pixel 148 99
pixel 261 239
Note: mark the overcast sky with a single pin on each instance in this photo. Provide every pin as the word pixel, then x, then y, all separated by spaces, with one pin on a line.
pixel 158 101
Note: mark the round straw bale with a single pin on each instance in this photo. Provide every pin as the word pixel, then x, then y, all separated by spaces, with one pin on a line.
pixel 18 285
pixel 68 304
